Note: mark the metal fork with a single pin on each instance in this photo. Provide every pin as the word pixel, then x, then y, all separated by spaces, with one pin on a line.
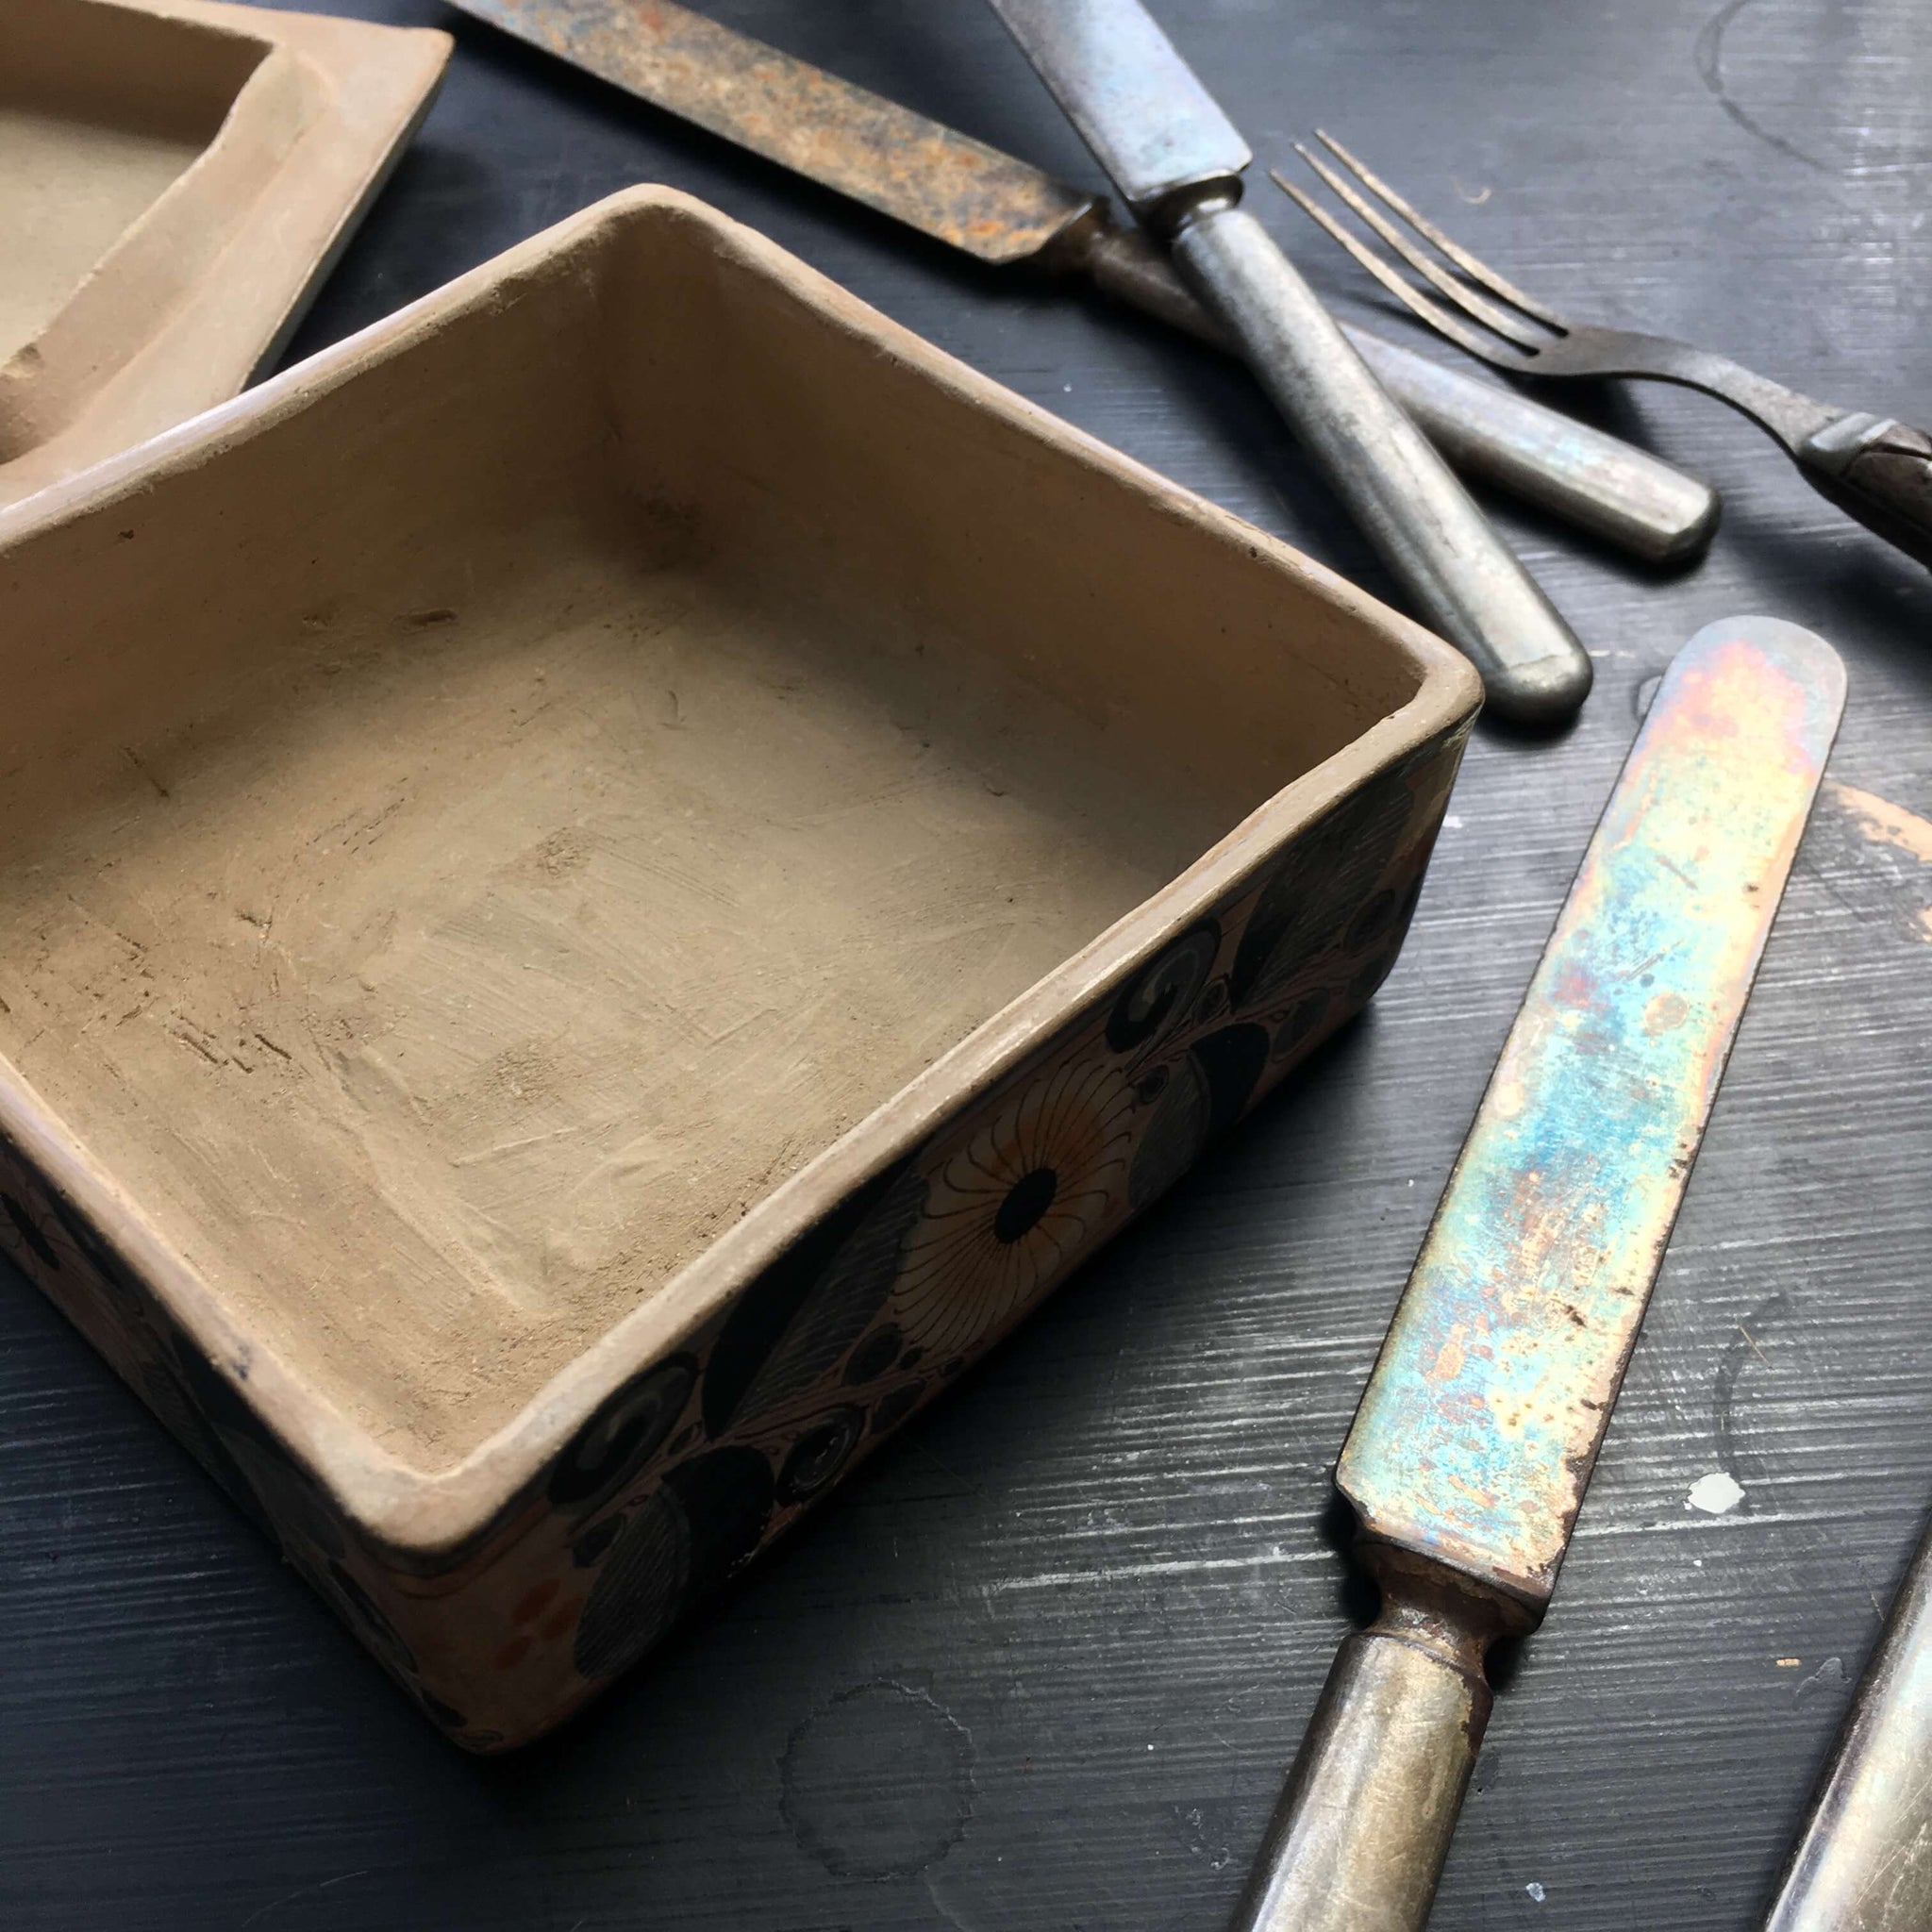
pixel 1878 470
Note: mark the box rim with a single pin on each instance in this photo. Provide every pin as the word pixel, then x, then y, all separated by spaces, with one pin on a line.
pixel 422 1514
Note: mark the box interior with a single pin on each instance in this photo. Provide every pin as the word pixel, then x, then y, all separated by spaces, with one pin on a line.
pixel 465 843
pixel 101 110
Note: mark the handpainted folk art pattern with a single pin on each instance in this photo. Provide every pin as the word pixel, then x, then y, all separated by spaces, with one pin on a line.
pixel 703 1457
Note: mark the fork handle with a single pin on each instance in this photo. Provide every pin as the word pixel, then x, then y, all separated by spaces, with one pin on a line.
pixel 1879 472
pixel 1439 544
pixel 1589 478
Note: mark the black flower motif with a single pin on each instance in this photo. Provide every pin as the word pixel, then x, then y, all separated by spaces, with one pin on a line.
pixel 1323 879
pixel 804 1312
pixel 690 1534
pixel 1300 1022
pixel 637 1591
pixel 1206 1095
pixel 1374 923
pixel 875 1356
pixel 590 1549
pixel 1174 1137
pixel 1162 994
pixel 622 1436
pixel 841 1307
pixel 1013 1204
pixel 818 1455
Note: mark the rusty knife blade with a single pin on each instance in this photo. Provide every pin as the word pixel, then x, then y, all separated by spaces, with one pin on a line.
pixel 1476 1435
pixel 942 183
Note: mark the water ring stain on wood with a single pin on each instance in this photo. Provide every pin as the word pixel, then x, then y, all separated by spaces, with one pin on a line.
pixel 878 1784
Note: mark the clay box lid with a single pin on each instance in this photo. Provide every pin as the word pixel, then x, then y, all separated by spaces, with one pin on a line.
pixel 175 177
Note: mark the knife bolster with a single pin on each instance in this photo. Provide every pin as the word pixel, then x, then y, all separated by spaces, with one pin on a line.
pixel 1181 208
pixel 1358 1841
pixel 1441 1608
pixel 1125 264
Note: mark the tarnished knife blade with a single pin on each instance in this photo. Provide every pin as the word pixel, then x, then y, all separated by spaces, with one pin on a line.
pixel 970 196
pixel 944 184
pixel 1475 1437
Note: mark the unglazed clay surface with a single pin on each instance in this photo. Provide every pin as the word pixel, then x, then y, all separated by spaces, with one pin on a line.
pixel 73 188
pixel 443 1001
pixel 102 109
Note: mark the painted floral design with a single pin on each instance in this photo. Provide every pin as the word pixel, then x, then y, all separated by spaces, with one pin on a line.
pixel 1155 1002
pixel 623 1435
pixel 1010 1207
pixel 842 1304
pixel 704 1521
pixel 1321 884
pixel 24 1233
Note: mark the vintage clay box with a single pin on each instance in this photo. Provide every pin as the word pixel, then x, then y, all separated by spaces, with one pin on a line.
pixel 175 177
pixel 604 884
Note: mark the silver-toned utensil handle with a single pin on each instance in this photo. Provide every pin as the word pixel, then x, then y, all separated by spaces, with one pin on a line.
pixel 1863 1862
pixel 1359 1837
pixel 1592 480
pixel 1878 470
pixel 1463 580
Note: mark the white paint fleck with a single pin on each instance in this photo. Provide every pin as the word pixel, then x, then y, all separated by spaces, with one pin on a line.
pixel 1451 821
pixel 1716 1495
pixel 1535 1890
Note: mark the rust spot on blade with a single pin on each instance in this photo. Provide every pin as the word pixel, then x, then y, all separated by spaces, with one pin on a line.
pixel 1665 1013
pixel 1555 1221
pixel 942 183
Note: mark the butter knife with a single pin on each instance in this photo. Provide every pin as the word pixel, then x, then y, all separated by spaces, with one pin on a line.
pixel 1469 1457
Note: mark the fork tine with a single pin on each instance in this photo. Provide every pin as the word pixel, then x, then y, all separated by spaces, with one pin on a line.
pixel 1463 296
pixel 1484 348
pixel 1476 270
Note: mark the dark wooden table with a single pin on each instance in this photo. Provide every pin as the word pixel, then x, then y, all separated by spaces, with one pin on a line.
pixel 1041 1664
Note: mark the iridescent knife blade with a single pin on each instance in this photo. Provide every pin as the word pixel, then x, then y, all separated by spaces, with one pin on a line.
pixel 1475 1437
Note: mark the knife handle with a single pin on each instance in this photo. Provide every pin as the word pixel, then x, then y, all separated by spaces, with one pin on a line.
pixel 1463 582
pixel 1863 1862
pixel 1593 481
pixel 1358 1841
